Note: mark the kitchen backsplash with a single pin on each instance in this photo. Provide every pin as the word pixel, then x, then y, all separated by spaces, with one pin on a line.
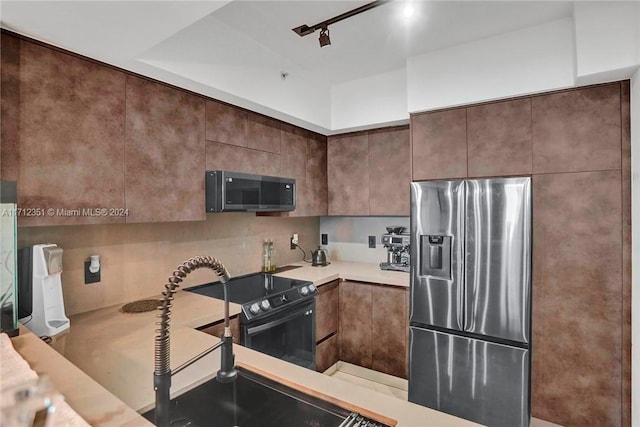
pixel 137 259
pixel 348 236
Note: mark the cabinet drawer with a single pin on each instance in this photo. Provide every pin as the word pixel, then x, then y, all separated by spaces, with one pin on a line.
pixel 327 353
pixel 327 308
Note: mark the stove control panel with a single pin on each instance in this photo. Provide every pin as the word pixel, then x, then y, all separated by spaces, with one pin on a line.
pixel 275 302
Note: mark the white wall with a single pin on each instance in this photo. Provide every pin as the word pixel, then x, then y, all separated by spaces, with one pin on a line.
pixel 526 61
pixel 374 100
pixel 252 73
pixel 607 40
pixel 635 248
pixel 348 236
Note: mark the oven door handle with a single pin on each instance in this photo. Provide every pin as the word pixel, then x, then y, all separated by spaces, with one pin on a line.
pixel 305 312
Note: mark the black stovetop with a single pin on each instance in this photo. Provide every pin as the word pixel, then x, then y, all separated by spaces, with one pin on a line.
pixel 248 288
pixel 258 287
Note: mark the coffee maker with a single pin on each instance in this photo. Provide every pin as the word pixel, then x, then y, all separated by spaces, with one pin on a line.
pixel 40 302
pixel 397 244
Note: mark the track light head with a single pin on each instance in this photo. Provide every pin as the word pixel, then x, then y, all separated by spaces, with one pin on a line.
pixel 324 37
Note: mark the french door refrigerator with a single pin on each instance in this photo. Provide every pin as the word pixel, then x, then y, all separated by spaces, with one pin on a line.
pixel 469 335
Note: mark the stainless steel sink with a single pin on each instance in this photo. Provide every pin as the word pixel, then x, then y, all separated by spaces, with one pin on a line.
pixel 255 401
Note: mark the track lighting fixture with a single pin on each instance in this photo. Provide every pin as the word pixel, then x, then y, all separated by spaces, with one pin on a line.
pixel 324 37
pixel 305 30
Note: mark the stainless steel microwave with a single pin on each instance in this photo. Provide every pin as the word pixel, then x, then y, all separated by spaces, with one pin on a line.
pixel 242 192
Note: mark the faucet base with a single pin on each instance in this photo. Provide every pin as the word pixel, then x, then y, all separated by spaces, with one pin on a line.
pixel 162 385
pixel 227 372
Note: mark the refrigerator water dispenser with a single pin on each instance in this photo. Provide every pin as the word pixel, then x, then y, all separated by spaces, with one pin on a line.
pixel 435 259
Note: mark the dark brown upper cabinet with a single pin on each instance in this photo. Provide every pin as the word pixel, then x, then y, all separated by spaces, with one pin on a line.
pixel 389 172
pixel 304 158
pixel 439 144
pixel 348 174
pixel 263 133
pixel 62 134
pixel 316 193
pixel 226 124
pixel 240 159
pixel 165 153
pixel 293 160
pixel 499 138
pixel 577 130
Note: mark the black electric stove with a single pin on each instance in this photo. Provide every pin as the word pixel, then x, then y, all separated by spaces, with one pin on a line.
pixel 260 294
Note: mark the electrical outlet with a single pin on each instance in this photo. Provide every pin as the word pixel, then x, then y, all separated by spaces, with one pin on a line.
pixel 90 277
pixel 372 241
pixel 294 241
pixel 324 238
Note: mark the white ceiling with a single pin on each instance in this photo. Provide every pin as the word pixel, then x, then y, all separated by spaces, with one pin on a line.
pixel 212 43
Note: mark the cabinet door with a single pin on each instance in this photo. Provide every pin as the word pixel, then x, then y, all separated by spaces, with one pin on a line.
pixel 327 310
pixel 240 159
pixel 439 144
pixel 62 134
pixel 348 175
pixel 389 172
pixel 390 324
pixel 355 323
pixel 293 164
pixel 263 133
pixel 327 353
pixel 499 138
pixel 577 294
pixel 577 130
pixel 164 153
pixel 226 124
pixel 316 179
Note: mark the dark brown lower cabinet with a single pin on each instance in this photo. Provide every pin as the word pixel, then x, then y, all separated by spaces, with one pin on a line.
pixel 390 330
pixel 373 326
pixel 356 323
pixel 217 329
pixel 327 312
pixel 327 353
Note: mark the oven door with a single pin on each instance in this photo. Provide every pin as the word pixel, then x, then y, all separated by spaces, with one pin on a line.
pixel 289 335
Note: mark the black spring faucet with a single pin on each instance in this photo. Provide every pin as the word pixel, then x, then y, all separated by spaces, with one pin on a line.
pixel 162 371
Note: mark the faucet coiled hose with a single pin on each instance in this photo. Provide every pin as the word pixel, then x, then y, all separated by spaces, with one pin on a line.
pixel 162 357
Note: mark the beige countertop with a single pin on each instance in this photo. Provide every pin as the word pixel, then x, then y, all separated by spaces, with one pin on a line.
pixel 359 271
pixel 116 350
pixel 96 405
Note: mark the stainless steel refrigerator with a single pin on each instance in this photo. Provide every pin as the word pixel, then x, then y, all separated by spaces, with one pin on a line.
pixel 470 319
